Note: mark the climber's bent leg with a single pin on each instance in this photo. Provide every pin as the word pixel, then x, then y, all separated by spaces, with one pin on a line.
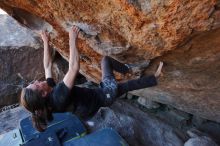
pixel 143 82
pixel 108 85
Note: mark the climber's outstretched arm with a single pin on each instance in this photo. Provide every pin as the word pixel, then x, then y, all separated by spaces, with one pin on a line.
pixel 47 59
pixel 73 59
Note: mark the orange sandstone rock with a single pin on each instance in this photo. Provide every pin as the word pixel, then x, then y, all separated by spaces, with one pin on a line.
pixel 137 30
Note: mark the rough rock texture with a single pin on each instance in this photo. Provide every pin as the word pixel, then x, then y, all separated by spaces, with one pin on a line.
pixel 199 138
pixel 136 30
pixel 191 78
pixel 201 141
pixel 18 67
pixel 138 128
pixel 128 30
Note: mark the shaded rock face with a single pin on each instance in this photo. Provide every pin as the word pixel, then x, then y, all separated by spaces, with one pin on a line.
pixel 191 78
pixel 136 127
pixel 199 138
pixel 18 67
pixel 202 141
pixel 135 30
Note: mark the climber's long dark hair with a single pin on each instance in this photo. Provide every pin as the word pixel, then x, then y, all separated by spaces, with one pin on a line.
pixel 38 106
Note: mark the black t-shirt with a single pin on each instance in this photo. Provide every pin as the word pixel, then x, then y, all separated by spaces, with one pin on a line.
pixel 85 101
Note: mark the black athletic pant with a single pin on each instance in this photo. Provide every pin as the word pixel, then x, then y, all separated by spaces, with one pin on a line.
pixel 108 80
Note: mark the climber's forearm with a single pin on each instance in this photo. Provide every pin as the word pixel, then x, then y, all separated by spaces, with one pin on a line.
pixel 73 59
pixel 47 58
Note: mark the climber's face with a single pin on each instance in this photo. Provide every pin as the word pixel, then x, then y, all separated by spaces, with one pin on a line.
pixel 40 86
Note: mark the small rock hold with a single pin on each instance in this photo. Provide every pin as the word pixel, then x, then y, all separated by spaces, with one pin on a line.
pixel 129 96
pixel 148 103
pixel 200 141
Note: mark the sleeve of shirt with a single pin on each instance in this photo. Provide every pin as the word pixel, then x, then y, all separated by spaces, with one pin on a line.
pixel 50 82
pixel 61 96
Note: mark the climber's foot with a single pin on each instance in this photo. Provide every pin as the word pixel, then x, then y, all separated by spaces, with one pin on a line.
pixel 137 69
pixel 159 69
